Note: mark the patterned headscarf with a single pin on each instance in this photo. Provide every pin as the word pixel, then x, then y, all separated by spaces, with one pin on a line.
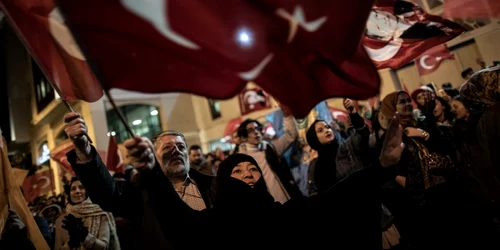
pixel 91 214
pixel 482 90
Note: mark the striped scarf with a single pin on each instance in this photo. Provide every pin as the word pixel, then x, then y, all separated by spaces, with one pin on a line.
pixel 91 214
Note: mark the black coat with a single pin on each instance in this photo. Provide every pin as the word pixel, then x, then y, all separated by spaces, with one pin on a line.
pixel 145 203
pixel 345 217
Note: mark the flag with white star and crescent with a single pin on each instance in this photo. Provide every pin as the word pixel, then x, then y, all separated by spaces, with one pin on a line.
pixel 301 52
pixel 430 60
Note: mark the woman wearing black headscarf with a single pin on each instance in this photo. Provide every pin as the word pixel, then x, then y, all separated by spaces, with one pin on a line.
pixel 337 158
pixel 245 216
pixel 347 216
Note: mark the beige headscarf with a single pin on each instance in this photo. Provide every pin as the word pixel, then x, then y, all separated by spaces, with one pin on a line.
pixel 91 214
pixel 482 90
pixel 388 108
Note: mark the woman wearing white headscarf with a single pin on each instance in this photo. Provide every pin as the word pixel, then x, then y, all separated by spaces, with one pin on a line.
pixel 86 225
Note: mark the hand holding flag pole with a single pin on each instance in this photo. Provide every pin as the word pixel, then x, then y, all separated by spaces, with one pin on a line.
pixel 68 106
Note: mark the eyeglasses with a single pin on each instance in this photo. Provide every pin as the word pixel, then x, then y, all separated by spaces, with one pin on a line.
pixel 251 130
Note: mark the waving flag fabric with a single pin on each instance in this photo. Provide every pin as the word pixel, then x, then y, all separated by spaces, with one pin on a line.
pixel 431 59
pixel 471 9
pixel 398 31
pixel 299 51
pixel 43 31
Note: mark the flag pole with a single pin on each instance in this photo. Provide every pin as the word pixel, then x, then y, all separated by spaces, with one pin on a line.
pixel 6 187
pixel 100 78
pixel 68 106
pixel 117 111
pixel 57 90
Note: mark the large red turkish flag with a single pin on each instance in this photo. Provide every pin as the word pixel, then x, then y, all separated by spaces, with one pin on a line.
pixel 299 51
pixel 471 9
pixel 398 31
pixel 41 26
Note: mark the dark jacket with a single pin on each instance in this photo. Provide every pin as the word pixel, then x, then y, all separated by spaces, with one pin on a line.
pixel 146 203
pixel 161 220
pixel 338 160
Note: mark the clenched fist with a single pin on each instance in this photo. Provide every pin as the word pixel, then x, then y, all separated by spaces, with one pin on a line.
pixel 349 106
pixel 76 129
pixel 140 151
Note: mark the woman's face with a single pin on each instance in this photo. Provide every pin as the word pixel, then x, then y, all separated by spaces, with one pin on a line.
pixel 246 172
pixel 77 192
pixel 404 105
pixel 421 98
pixel 439 109
pixel 382 120
pixel 458 109
pixel 324 133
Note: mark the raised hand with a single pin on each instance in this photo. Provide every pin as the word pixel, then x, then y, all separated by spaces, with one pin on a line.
pixel 349 106
pixel 76 129
pixel 430 102
pixel 393 144
pixel 140 151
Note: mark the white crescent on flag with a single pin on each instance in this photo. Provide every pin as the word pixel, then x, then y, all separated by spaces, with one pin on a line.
pixel 385 53
pixel 156 12
pixel 45 180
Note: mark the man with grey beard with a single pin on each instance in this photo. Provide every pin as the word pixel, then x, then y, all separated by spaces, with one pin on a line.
pixel 161 164
pixel 194 188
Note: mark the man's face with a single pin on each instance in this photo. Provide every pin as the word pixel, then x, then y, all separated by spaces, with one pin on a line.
pixel 236 138
pixel 196 156
pixel 254 133
pixel 171 152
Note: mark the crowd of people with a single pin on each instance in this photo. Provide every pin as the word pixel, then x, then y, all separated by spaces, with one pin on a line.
pixel 422 173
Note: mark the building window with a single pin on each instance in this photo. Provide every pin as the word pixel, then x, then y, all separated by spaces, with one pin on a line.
pixel 43 155
pixel 143 120
pixel 44 93
pixel 214 108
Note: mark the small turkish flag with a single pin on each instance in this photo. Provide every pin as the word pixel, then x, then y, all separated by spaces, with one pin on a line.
pixel 113 157
pixel 471 9
pixel 253 99
pixel 431 59
pixel 39 183
pixel 59 154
